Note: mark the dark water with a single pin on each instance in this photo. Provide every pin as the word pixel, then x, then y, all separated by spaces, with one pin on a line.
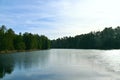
pixel 61 64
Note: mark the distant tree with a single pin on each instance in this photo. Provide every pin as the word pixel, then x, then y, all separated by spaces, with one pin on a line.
pixel 19 43
pixel 109 38
pixel 8 40
pixel 28 41
pixel 10 35
pixel 2 36
pixel 45 42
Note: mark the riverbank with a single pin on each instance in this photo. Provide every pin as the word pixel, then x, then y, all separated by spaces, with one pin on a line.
pixel 13 51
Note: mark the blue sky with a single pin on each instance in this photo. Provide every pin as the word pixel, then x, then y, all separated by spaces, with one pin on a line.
pixel 58 18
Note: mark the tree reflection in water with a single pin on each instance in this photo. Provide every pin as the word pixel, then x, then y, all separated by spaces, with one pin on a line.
pixel 23 61
pixel 6 64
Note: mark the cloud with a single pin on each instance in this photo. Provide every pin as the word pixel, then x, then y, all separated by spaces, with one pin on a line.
pixel 59 18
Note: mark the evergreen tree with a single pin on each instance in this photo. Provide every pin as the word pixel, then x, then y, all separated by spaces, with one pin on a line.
pixel 109 38
pixel 19 43
pixel 28 41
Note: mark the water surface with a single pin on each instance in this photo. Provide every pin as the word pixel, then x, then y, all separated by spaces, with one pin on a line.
pixel 61 64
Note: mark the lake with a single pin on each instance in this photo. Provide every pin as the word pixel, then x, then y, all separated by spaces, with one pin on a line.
pixel 61 64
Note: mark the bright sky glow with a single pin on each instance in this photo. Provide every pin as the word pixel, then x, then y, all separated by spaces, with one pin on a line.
pixel 58 18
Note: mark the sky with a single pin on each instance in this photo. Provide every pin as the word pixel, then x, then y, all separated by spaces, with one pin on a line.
pixel 58 18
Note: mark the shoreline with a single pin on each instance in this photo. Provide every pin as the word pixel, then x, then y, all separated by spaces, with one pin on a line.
pixel 13 51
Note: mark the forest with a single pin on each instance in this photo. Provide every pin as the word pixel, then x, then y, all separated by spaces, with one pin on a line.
pixel 108 38
pixel 10 41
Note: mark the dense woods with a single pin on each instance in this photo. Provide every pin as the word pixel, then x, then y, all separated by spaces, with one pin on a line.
pixel 9 41
pixel 109 38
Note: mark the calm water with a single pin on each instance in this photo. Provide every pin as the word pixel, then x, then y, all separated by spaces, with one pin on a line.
pixel 61 64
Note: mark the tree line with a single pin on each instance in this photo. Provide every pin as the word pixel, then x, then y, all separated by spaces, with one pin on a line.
pixel 10 41
pixel 109 38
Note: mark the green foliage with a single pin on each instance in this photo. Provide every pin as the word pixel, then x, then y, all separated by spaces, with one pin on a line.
pixel 19 43
pixel 109 38
pixel 45 41
pixel 9 37
pixel 11 41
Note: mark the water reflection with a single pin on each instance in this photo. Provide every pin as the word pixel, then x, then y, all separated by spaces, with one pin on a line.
pixel 6 65
pixel 28 60
pixel 110 59
pixel 61 64
pixel 22 61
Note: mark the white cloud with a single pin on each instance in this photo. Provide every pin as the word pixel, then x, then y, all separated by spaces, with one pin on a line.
pixel 64 17
pixel 90 13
